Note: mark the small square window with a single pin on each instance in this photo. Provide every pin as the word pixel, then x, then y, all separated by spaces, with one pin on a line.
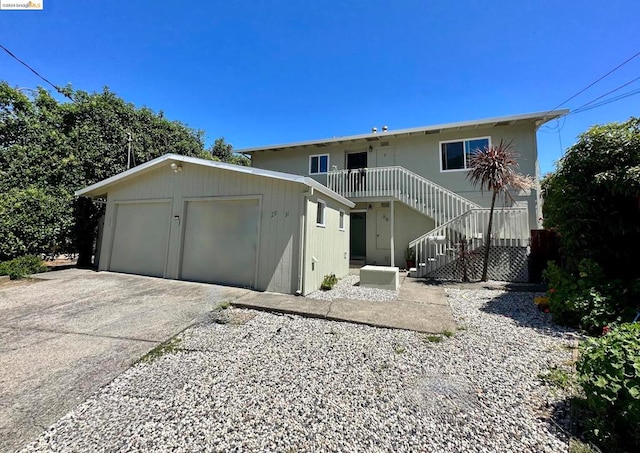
pixel 341 225
pixel 320 208
pixel 318 164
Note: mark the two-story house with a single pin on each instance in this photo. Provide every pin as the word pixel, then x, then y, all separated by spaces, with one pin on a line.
pixel 411 189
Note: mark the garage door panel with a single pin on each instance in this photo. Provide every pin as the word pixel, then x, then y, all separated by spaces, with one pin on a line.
pixel 221 241
pixel 140 238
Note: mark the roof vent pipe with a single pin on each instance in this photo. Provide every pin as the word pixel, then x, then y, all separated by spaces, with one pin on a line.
pixel 385 128
pixel 374 130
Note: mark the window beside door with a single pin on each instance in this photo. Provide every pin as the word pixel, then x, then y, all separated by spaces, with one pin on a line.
pixel 318 164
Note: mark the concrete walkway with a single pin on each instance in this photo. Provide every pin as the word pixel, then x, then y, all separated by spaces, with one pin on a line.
pixel 419 307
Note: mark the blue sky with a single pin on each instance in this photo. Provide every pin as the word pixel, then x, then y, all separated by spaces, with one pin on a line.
pixel 263 72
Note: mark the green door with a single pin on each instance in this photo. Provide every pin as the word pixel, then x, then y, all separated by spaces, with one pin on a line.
pixel 358 235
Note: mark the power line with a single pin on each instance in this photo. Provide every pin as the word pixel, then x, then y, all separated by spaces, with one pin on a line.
pixel 607 101
pixel 593 83
pixel 58 89
pixel 608 93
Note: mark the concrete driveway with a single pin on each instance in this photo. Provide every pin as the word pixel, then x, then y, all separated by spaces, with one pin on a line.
pixel 63 338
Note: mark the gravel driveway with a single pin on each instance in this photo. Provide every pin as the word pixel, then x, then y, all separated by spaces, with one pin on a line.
pixel 285 383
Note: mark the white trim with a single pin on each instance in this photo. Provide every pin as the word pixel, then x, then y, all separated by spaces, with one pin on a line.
pixel 464 152
pixel 319 156
pixel 539 118
pixel 319 202
pixel 101 188
pixel 341 218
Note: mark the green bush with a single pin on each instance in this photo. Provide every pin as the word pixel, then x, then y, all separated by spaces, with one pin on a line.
pixel 609 373
pixel 328 282
pixel 21 267
pixel 592 199
pixel 33 221
pixel 588 300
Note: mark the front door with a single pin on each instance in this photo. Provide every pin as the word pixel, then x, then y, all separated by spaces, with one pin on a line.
pixel 358 235
pixel 356 178
pixel 356 160
pixel 383 229
pixel 385 156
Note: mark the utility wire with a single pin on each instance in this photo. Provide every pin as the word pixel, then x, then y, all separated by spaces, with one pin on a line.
pixel 607 93
pixel 58 89
pixel 593 83
pixel 607 101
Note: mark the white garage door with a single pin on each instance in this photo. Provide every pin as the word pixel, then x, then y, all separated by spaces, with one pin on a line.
pixel 221 241
pixel 141 238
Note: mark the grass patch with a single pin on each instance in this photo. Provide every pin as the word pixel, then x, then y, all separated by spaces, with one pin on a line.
pixel 328 282
pixel 433 338
pixel 577 446
pixel 398 348
pixel 447 333
pixel 557 377
pixel 168 347
pixel 223 305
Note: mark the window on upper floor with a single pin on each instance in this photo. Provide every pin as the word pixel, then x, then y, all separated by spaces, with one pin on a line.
pixel 341 224
pixel 454 154
pixel 318 163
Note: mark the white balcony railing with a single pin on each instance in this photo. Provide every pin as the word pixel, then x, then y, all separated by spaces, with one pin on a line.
pixel 401 184
pixel 442 245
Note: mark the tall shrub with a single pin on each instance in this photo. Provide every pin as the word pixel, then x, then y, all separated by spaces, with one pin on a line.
pixel 34 221
pixel 593 199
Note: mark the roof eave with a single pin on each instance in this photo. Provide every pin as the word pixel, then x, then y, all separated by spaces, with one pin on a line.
pixel 539 118
pixel 101 188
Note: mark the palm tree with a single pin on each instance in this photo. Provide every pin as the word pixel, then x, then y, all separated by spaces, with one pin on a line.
pixel 494 169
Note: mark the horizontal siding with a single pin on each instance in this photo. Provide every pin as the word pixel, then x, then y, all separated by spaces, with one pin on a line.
pixel 279 224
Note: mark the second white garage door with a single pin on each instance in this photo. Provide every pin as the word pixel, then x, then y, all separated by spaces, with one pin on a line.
pixel 221 241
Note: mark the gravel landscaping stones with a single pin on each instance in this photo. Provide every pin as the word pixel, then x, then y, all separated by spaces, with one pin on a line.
pixel 285 383
pixel 349 288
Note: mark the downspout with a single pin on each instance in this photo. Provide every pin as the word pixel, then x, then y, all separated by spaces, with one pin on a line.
pixel 303 241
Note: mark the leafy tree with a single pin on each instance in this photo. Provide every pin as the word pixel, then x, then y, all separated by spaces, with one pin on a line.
pixel 593 199
pixel 49 149
pixel 223 152
pixel 494 168
pixel 221 149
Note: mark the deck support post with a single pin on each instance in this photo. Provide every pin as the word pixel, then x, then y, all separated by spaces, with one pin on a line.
pixel 393 221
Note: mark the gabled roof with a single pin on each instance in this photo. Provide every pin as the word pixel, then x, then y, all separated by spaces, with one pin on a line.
pixel 101 188
pixel 537 118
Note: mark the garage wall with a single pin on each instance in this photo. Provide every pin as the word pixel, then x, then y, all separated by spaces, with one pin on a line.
pixel 279 223
pixel 328 245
